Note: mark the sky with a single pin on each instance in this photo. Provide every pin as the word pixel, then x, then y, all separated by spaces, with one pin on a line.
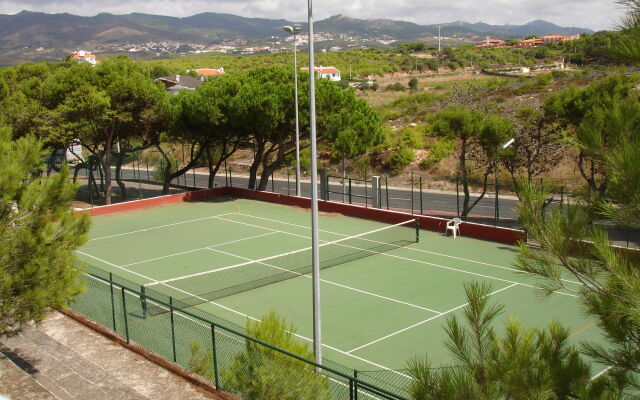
pixel 593 14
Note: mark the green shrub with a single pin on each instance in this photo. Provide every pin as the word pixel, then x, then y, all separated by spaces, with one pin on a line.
pixel 413 83
pixel 544 79
pixel 160 166
pixel 201 361
pixel 437 152
pixel 401 159
pixel 398 87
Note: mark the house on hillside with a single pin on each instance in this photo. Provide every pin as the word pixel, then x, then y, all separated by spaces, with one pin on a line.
pixel 176 83
pixel 331 73
pixel 81 56
pixel 206 72
pixel 488 43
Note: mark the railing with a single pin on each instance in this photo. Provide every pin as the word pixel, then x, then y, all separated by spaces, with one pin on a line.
pixel 221 352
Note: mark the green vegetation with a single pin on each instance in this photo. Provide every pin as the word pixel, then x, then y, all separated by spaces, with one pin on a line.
pixel 519 364
pixel 39 232
pixel 261 373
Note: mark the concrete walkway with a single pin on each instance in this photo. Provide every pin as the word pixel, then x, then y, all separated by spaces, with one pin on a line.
pixel 63 359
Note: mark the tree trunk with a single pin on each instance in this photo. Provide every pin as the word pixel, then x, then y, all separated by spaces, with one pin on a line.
pixel 465 178
pixel 107 167
pixel 212 172
pixel 123 188
pixel 257 159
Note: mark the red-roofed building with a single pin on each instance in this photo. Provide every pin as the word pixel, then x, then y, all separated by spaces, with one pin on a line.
pixel 330 73
pixel 84 56
pixel 204 72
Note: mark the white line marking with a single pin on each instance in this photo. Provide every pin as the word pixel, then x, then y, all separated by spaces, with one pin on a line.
pixel 331 283
pixel 239 313
pixel 160 226
pixel 425 321
pixel 274 256
pixel 198 249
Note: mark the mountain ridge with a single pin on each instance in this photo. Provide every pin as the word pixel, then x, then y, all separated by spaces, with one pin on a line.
pixel 24 34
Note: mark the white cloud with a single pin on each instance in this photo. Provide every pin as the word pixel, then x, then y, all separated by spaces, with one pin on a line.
pixel 594 14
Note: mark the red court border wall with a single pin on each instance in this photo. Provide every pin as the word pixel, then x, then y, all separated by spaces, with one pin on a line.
pixel 478 231
pixel 154 202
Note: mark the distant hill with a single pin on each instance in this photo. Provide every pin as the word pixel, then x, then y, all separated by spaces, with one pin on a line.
pixel 29 35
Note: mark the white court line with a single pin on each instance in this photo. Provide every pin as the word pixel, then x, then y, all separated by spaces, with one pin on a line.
pixel 160 226
pixel 599 374
pixel 425 321
pixel 273 256
pixel 198 249
pixel 414 249
pixel 241 314
pixel 331 283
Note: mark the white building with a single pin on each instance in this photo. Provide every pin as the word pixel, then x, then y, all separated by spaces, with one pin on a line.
pixel 330 73
pixel 84 56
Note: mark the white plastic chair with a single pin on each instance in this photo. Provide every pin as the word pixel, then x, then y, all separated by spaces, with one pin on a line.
pixel 453 226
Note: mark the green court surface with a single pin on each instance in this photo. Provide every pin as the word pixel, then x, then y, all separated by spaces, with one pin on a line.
pixel 377 311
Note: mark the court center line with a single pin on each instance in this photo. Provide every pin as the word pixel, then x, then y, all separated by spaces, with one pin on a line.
pixel 425 321
pixel 419 261
pixel 198 249
pixel 161 226
pixel 331 283
pixel 242 314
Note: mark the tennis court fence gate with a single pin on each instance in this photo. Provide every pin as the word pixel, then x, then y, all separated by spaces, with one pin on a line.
pixel 221 352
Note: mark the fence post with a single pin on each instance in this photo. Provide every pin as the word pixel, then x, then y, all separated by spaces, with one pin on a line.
pixel 421 211
pixel 375 189
pixel 147 163
pixel 497 200
pixel 386 186
pixel 379 193
pixel 561 197
pixel 412 193
pixel 126 320
pixel 324 187
pixel 139 181
pixel 215 357
pixel 288 189
pixel 173 330
pixel 273 185
pixel 457 197
pixel 143 300
pixel 194 176
pixel 349 190
pixel 113 302
pixel 355 384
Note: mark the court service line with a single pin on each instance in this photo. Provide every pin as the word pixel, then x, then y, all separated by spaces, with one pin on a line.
pixel 411 248
pixel 161 226
pixel 198 249
pixel 425 321
pixel 412 260
pixel 241 314
pixel 330 282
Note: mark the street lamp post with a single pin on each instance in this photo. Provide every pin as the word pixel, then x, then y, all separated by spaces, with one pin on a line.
pixel 294 30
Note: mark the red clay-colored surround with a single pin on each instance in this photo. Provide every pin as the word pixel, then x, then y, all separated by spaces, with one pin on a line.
pixel 485 232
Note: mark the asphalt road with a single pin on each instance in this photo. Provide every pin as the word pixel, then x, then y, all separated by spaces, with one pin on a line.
pixel 430 202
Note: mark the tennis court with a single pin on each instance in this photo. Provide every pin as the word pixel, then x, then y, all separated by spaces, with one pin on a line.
pixel 385 297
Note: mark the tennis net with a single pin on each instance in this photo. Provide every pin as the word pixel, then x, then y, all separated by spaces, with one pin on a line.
pixel 191 290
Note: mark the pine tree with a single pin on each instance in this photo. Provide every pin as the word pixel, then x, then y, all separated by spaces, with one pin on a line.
pixel 38 233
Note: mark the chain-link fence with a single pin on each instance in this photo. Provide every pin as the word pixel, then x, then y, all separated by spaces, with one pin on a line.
pixel 221 352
